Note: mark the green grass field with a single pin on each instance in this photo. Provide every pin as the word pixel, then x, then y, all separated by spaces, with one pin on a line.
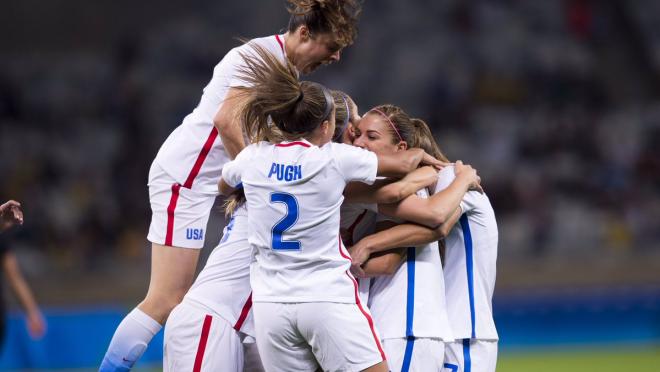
pixel 610 359
pixel 598 360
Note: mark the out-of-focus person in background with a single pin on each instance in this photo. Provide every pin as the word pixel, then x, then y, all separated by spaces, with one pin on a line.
pixel 10 216
pixel 184 175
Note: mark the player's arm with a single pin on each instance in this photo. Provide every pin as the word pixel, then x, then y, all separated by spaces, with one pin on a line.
pixel 231 178
pixel 228 124
pixel 403 162
pixel 444 229
pixel 382 263
pixel 35 321
pixel 437 209
pixel 388 237
pixel 224 188
pixel 388 190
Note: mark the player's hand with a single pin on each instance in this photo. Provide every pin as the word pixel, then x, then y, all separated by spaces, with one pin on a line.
pixel 36 325
pixel 10 215
pixel 469 175
pixel 430 160
pixel 359 255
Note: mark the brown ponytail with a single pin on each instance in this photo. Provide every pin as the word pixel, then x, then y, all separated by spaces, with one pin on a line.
pixel 337 17
pixel 423 139
pixel 274 96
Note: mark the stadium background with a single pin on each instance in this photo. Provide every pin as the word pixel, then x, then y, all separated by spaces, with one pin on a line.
pixel 556 103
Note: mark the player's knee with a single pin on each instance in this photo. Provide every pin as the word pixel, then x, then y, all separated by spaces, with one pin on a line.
pixel 159 306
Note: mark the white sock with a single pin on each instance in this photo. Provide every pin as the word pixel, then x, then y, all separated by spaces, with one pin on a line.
pixel 129 341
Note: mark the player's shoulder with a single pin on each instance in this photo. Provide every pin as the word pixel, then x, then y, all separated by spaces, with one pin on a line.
pixel 445 177
pixel 260 146
pixel 270 43
pixel 447 172
pixel 253 149
pixel 343 150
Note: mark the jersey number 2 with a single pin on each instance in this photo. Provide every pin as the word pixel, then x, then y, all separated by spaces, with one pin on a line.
pixel 285 223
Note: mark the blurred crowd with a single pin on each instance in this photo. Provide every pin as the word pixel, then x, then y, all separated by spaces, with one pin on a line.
pixel 556 103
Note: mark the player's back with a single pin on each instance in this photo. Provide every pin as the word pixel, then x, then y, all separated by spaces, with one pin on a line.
pixel 470 266
pixel 294 193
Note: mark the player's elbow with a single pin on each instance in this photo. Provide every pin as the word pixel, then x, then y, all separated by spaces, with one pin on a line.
pixel 438 215
pixel 390 269
pixel 391 195
pixel 224 188
pixel 441 231
pixel 222 121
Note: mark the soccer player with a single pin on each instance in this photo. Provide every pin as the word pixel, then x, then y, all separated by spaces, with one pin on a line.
pixel 206 328
pixel 306 308
pixel 10 216
pixel 184 175
pixel 407 300
pixel 469 268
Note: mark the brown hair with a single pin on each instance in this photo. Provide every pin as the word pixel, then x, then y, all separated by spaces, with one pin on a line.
pixel 337 17
pixel 342 113
pixel 403 130
pixel 413 131
pixel 274 96
pixel 423 139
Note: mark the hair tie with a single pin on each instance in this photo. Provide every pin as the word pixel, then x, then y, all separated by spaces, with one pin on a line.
pixel 300 96
pixel 389 121
pixel 346 120
pixel 329 103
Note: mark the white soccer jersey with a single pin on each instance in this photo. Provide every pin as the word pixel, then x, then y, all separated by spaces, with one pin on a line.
pixel 193 153
pixel 357 221
pixel 224 284
pixel 411 302
pixel 470 260
pixel 294 192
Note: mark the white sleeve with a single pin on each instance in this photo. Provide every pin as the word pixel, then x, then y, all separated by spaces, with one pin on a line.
pixel 470 201
pixel 231 171
pixel 236 63
pixel 445 177
pixel 354 163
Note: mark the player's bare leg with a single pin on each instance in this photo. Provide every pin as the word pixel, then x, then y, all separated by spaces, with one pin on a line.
pixel 172 274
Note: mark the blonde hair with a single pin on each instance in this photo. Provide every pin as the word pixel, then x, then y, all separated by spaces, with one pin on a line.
pixel 233 201
pixel 275 97
pixel 337 17
pixel 423 139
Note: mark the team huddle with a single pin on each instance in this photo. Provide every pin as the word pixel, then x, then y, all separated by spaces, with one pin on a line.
pixel 353 243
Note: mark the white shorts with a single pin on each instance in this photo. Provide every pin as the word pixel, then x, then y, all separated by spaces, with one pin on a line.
pixel 251 356
pixel 470 355
pixel 414 354
pixel 179 215
pixel 308 336
pixel 196 339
